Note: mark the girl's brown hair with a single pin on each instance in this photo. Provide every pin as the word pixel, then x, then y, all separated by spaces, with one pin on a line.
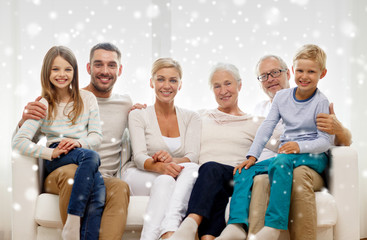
pixel 48 89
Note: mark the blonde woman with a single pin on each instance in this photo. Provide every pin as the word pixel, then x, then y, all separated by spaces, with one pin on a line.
pixel 166 143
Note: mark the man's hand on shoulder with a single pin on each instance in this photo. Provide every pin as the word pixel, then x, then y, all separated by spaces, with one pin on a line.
pixel 138 106
pixel 33 110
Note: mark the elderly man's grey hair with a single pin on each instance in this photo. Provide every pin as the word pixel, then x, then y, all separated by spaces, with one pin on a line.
pixel 228 67
pixel 283 65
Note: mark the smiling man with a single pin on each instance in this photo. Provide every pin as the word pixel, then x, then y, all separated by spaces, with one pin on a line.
pixel 104 68
pixel 273 75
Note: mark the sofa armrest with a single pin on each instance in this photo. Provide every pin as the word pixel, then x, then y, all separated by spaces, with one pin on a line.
pixel 344 187
pixel 26 188
pixel 126 152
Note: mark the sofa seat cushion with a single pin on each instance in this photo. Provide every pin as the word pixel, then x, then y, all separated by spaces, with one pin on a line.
pixel 46 233
pixel 326 209
pixel 47 212
pixel 136 212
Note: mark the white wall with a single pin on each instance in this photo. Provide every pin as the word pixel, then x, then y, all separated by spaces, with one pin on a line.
pixel 358 110
pixel 197 34
pixel 8 67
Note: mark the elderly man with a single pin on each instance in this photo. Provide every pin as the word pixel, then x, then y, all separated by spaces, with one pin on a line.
pixel 104 68
pixel 274 75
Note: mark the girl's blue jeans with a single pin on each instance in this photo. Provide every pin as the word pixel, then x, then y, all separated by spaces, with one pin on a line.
pixel 88 194
pixel 280 170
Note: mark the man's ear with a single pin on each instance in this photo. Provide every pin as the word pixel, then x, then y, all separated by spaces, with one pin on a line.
pixel 88 68
pixel 289 73
pixel 120 70
pixel 323 73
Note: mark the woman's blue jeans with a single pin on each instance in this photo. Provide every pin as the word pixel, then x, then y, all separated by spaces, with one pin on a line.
pixel 88 194
pixel 280 170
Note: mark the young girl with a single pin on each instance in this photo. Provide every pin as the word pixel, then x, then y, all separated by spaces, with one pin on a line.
pixel 72 128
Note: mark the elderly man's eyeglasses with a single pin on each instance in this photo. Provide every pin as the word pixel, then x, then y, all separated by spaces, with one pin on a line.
pixel 273 73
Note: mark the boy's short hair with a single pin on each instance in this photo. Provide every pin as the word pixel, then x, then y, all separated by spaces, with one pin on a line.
pixel 311 52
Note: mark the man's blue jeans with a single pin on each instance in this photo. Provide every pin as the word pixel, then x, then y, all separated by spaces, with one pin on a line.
pixel 88 194
pixel 280 170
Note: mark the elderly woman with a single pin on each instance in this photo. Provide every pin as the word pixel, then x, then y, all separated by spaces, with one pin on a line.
pixel 166 143
pixel 227 134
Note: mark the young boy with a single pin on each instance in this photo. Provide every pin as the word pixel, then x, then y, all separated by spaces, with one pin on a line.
pixel 301 144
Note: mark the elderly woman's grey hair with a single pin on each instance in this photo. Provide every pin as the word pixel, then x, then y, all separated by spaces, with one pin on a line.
pixel 283 65
pixel 228 67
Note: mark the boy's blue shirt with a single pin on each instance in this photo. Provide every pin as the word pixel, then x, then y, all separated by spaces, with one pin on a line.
pixel 299 119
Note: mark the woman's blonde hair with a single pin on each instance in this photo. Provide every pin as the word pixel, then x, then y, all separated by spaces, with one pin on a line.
pixel 49 90
pixel 311 52
pixel 166 63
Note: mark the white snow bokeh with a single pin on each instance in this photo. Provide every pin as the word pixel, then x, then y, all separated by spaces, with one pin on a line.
pixel 53 15
pixel 152 11
pixel 8 51
pixel 137 14
pixel 62 38
pixel 272 16
pixel 37 2
pixel 239 2
pixel 80 26
pixel 364 173
pixel 31 194
pixel 148 184
pixel 147 217
pixel 21 90
pixel 348 28
pixel 35 167
pixel 33 29
pixel 300 2
pixel 141 73
pixel 17 207
pixel 70 181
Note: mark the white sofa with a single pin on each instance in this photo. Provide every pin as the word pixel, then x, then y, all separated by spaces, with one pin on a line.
pixel 35 215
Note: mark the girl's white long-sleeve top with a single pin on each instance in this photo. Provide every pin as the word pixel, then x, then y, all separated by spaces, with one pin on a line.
pixel 87 129
pixel 146 137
